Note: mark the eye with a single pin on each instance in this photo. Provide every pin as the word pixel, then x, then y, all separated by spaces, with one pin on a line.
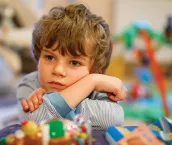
pixel 75 63
pixel 49 57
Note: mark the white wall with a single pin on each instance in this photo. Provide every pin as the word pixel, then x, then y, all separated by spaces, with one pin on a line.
pixel 100 7
pixel 126 11
pixel 119 14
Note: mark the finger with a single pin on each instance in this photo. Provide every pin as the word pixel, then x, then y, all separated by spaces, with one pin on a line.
pixel 116 98
pixel 31 106
pixel 41 91
pixel 40 98
pixel 40 94
pixel 36 107
pixel 35 102
pixel 25 105
pixel 112 97
pixel 119 96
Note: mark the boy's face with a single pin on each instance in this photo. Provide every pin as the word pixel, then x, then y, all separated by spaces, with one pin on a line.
pixel 57 72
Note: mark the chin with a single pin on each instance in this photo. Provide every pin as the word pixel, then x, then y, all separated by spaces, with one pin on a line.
pixel 53 90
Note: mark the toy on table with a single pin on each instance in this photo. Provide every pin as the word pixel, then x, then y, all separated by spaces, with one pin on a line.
pixel 140 136
pixel 160 129
pixel 54 132
pixel 114 134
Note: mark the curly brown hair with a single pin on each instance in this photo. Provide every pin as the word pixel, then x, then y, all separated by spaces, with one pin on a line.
pixel 77 31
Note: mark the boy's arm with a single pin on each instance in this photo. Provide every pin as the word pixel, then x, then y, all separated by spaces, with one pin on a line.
pixel 102 113
pixel 77 92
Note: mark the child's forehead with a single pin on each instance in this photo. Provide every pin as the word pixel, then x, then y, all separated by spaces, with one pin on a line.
pixel 57 52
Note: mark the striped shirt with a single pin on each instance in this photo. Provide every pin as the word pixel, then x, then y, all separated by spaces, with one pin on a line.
pixel 96 107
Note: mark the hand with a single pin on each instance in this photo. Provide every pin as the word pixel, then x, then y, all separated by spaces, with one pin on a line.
pixel 35 99
pixel 111 85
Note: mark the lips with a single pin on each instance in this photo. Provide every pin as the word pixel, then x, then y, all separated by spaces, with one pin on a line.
pixel 56 85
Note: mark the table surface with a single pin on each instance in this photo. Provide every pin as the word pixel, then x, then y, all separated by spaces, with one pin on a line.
pixel 98 135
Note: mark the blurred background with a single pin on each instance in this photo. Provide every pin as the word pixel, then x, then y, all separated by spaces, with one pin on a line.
pixel 142 52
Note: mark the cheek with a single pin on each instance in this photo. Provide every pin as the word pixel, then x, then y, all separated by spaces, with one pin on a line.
pixel 43 71
pixel 77 75
pixel 40 74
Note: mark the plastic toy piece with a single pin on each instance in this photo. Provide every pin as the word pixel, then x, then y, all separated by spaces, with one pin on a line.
pixel 140 136
pixel 54 132
pixel 157 71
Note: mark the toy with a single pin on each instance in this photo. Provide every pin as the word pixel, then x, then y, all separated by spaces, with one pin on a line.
pixel 140 136
pixel 139 90
pixel 144 30
pixel 54 132
pixel 143 134
pixel 157 71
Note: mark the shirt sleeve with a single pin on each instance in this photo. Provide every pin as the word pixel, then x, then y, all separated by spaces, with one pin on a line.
pixel 98 96
pixel 54 105
pixel 102 113
pixel 27 85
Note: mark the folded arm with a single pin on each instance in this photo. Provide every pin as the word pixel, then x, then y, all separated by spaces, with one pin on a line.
pixel 101 113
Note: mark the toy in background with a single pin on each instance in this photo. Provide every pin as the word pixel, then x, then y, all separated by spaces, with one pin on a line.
pixel 140 87
pixel 7 23
pixel 168 35
pixel 168 30
pixel 138 91
pixel 143 31
pixel 157 71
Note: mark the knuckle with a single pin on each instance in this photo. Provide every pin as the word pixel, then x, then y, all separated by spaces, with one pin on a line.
pixel 30 103
pixel 35 101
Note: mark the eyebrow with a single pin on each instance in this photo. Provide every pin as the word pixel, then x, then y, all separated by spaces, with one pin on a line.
pixel 78 57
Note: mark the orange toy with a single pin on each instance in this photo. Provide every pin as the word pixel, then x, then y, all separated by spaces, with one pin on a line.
pixel 157 71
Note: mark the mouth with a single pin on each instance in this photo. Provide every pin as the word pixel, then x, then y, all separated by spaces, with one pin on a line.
pixel 56 85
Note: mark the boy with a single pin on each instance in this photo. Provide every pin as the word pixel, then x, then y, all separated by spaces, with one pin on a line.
pixel 72 48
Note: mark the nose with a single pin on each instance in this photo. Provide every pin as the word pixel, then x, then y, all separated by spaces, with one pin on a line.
pixel 59 70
